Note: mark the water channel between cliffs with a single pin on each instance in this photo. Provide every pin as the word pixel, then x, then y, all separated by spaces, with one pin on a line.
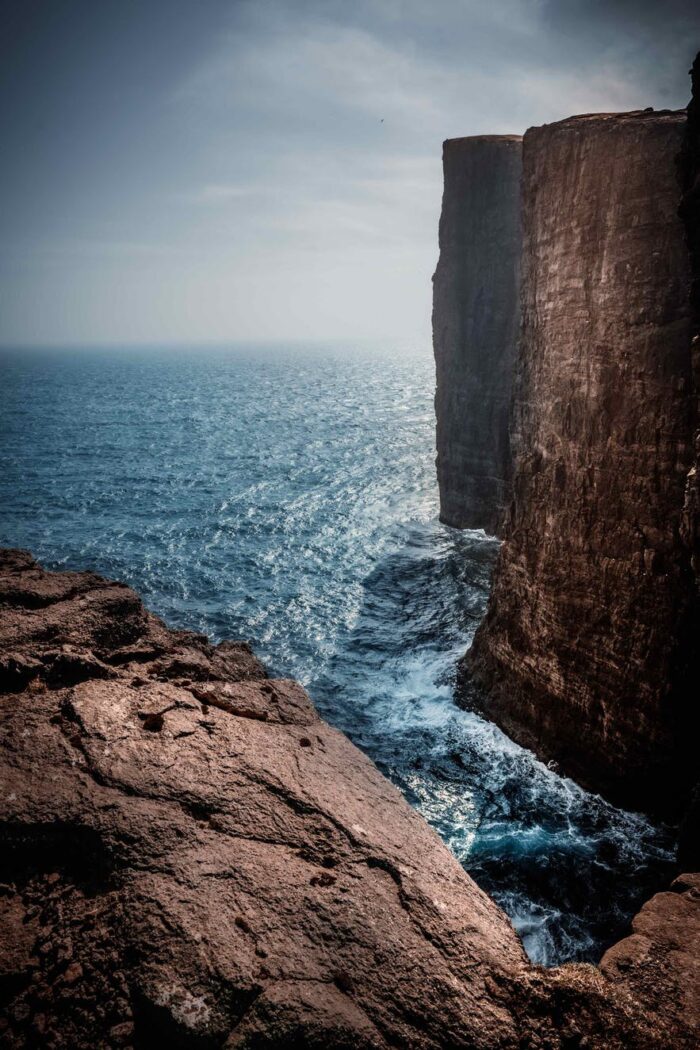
pixel 288 496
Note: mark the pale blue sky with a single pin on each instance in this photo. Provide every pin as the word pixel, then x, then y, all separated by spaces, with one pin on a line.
pixel 222 170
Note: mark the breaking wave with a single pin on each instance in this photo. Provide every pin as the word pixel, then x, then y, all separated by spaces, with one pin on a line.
pixel 288 496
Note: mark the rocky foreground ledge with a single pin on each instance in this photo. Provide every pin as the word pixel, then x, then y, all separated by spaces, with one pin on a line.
pixel 192 858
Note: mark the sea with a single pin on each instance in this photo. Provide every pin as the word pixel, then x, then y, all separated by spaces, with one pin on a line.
pixel 286 495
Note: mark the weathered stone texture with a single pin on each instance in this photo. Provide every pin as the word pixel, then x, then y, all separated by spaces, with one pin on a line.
pixel 585 641
pixel 689 170
pixel 475 326
pixel 190 857
pixel 689 167
pixel 660 960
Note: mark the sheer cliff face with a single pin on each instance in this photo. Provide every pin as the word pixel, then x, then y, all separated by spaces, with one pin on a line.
pixel 475 326
pixel 690 214
pixel 689 841
pixel 582 649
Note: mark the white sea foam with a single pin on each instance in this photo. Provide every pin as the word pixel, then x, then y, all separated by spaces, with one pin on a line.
pixel 290 499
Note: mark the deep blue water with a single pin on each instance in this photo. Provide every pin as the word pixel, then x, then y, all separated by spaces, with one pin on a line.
pixel 288 496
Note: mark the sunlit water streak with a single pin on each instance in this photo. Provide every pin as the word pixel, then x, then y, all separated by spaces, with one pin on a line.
pixel 289 497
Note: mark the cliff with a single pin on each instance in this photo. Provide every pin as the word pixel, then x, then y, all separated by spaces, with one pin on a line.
pixel 191 857
pixel 475 326
pixel 584 653
pixel 689 167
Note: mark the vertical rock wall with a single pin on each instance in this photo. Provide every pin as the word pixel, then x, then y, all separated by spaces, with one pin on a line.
pixel 475 326
pixel 690 213
pixel 585 641
pixel 689 839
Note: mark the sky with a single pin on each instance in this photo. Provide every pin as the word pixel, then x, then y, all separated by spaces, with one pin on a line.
pixel 215 171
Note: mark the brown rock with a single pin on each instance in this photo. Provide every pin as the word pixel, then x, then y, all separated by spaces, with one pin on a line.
pixel 585 644
pixel 660 961
pixel 179 871
pixel 475 326
pixel 689 843
pixel 73 973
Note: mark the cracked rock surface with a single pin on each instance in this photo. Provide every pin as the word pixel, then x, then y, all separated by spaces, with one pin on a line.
pixel 191 857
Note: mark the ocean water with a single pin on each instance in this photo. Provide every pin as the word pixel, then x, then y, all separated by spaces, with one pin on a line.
pixel 287 496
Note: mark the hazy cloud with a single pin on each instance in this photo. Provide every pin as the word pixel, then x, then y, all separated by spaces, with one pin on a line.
pixel 230 169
